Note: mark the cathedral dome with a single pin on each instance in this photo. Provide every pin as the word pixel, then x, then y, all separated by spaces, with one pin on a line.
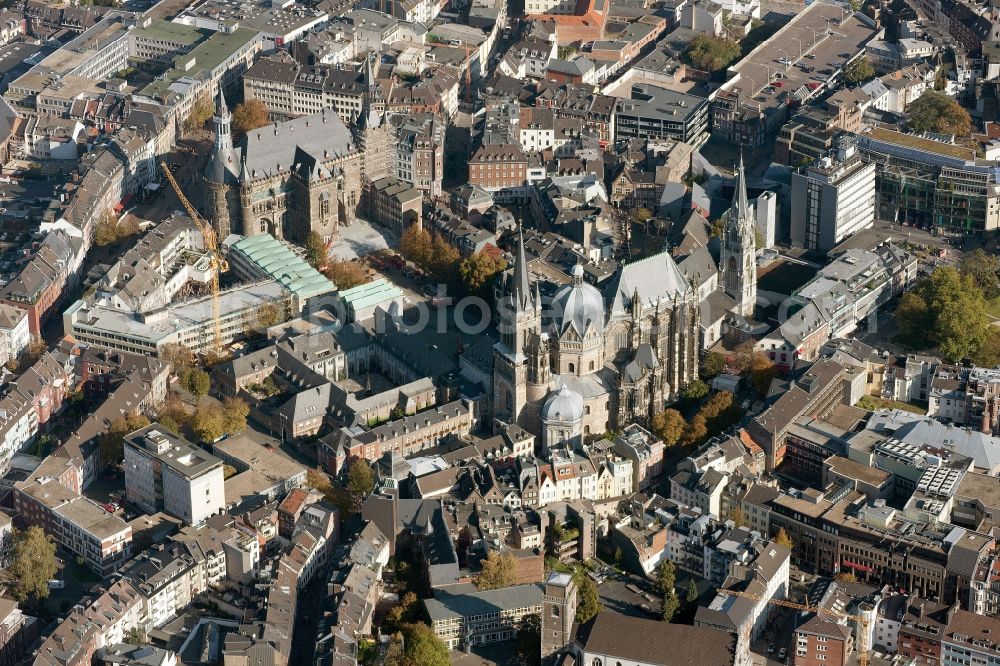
pixel 563 405
pixel 578 305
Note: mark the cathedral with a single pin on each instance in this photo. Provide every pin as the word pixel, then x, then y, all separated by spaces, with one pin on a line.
pixel 307 174
pixel 590 362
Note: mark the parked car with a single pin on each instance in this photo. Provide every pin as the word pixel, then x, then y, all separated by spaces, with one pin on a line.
pixel 781 653
pixel 57 584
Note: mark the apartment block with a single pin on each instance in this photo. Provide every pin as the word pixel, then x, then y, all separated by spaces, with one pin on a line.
pixel 166 472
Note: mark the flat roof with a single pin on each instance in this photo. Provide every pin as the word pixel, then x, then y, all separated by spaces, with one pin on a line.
pixel 154 327
pixel 173 451
pixel 174 32
pixel 207 56
pixel 920 143
pixel 807 31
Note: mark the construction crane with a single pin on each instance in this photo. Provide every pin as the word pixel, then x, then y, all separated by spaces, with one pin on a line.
pixel 863 647
pixel 212 245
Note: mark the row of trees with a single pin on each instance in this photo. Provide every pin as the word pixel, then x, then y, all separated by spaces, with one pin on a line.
pixel 666 584
pixel 436 257
pixel 247 116
pixel 718 413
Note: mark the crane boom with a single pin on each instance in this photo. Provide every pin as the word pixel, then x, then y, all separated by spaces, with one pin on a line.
pixel 863 647
pixel 212 245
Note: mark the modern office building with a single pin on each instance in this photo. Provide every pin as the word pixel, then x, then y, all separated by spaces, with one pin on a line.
pixel 659 113
pixel 833 198
pixel 922 182
pixel 164 472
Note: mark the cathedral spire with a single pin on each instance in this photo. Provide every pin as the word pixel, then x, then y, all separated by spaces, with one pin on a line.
pixel 740 206
pixel 522 287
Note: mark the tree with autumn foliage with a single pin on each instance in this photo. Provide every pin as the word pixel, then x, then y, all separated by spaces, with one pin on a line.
pixel 249 115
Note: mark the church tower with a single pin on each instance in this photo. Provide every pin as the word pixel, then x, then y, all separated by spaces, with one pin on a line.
pixel 520 363
pixel 372 132
pixel 737 262
pixel 221 177
pixel 558 615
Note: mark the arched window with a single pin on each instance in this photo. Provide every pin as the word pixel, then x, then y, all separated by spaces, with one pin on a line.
pixel 586 410
pixel 596 662
pixel 572 367
pixel 591 365
pixel 555 611
pixel 586 430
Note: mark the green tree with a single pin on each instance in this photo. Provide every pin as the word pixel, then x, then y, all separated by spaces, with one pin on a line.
pixel 250 115
pixel 529 640
pixel 712 53
pixel 669 426
pixel 498 570
pixel 315 250
pixel 402 613
pixel 666 577
pixel 197 382
pixel 936 112
pixel 984 269
pixel 692 593
pixel 642 216
pixel 235 412
pixel 209 423
pixel 670 605
pixel 782 538
pixel 618 557
pixel 478 270
pixel 714 365
pixel 589 603
pixel 696 390
pixel 946 310
pixel 423 647
pixel 33 564
pixel 360 481
pixel 859 71
pixel 913 319
pixel 111 442
pixel 135 636
pixel 228 471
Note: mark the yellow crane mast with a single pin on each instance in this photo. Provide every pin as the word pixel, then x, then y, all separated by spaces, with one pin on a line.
pixel 212 245
pixel 863 647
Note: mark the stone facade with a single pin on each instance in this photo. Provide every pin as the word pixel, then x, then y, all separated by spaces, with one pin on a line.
pixel 308 174
pixel 595 366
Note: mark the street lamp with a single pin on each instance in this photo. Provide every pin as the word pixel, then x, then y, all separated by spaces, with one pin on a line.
pixel 800 45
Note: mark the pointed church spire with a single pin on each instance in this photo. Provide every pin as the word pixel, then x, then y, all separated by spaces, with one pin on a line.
pixel 522 287
pixel 221 108
pixel 740 206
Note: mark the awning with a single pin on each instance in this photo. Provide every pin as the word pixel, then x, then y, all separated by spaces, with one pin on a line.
pixel 858 567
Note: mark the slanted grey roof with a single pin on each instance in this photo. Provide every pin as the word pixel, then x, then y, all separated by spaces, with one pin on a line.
pixel 446 606
pixel 653 278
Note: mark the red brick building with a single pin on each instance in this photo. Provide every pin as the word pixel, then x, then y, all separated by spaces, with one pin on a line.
pixel 822 642
pixel 500 166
